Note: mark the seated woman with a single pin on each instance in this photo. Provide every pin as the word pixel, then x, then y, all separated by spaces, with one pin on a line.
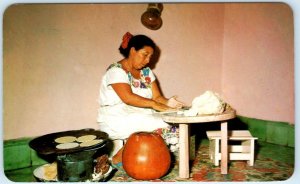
pixel 129 94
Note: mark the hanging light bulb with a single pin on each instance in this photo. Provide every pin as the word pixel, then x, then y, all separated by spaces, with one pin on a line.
pixel 151 17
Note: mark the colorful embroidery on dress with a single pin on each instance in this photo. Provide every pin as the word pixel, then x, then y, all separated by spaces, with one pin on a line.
pixel 117 65
pixel 171 136
pixel 144 82
pixel 145 79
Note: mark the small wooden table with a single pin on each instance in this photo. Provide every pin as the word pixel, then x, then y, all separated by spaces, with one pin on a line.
pixel 184 122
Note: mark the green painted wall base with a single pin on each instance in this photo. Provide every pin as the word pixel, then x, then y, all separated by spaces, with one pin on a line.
pixel 269 131
pixel 18 154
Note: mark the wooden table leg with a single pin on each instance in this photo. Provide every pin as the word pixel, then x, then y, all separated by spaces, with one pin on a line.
pixel 224 148
pixel 184 171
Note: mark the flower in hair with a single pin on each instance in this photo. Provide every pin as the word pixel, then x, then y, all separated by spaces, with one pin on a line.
pixel 127 36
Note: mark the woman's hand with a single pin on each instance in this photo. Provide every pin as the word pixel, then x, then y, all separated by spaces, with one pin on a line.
pixel 174 103
pixel 161 107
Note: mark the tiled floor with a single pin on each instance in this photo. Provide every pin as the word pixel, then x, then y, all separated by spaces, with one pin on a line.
pixel 272 163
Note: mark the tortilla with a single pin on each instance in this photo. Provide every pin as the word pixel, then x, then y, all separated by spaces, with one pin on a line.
pixel 50 171
pixel 86 138
pixel 91 143
pixel 68 145
pixel 65 139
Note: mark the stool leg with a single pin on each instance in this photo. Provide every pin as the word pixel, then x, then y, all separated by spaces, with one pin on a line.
pixel 211 149
pixel 217 152
pixel 251 161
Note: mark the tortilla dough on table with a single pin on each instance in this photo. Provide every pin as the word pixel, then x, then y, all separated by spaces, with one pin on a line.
pixel 68 145
pixel 206 104
pixel 91 143
pixel 86 138
pixel 65 139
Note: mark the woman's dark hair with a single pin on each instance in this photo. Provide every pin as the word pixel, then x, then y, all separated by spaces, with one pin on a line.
pixel 138 42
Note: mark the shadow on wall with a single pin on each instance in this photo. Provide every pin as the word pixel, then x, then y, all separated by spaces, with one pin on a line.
pixel 155 58
pixel 152 64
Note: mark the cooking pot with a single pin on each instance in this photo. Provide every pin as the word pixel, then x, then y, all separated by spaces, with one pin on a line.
pixel 146 156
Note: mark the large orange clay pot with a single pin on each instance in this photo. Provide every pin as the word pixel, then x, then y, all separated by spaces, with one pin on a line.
pixel 146 156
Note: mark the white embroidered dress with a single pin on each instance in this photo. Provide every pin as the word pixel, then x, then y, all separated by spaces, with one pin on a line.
pixel 118 119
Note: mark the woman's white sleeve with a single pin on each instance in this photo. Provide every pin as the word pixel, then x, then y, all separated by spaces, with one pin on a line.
pixel 116 75
pixel 151 75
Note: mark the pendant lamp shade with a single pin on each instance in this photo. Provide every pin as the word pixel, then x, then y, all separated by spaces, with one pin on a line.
pixel 151 17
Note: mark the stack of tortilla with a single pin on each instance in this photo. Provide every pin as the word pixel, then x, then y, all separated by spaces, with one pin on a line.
pixel 69 142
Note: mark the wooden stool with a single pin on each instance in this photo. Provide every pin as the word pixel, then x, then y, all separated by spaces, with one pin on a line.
pixel 244 151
